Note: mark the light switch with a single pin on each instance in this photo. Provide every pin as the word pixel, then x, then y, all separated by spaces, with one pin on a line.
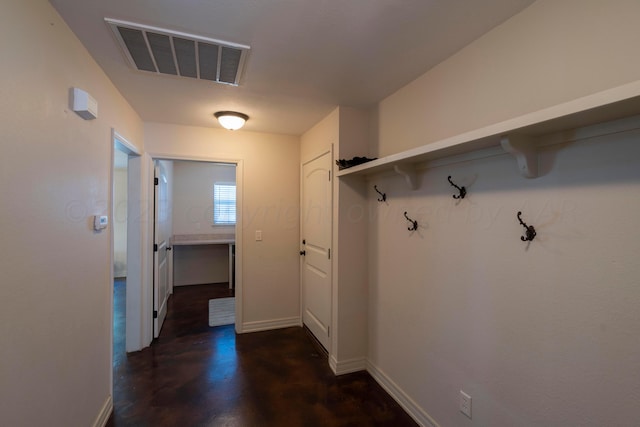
pixel 258 235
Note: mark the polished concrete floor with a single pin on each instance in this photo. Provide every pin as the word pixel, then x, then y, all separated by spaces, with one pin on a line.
pixel 195 375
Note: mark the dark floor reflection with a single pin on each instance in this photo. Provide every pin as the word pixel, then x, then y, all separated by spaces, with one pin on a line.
pixel 224 362
pixel 119 316
pixel 195 375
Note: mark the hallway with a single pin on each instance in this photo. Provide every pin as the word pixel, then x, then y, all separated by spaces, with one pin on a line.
pixel 195 375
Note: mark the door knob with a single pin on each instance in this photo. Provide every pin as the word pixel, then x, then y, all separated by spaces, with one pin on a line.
pixel 168 248
pixel 303 253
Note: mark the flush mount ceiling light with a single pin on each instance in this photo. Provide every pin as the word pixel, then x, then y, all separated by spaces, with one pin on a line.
pixel 231 120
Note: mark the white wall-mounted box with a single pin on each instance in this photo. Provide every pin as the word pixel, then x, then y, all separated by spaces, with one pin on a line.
pixel 84 104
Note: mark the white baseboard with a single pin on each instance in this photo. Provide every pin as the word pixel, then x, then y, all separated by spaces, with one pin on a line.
pixel 412 408
pixel 266 325
pixel 105 413
pixel 347 366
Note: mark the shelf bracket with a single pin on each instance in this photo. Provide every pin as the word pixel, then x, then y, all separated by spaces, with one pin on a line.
pixel 524 149
pixel 409 173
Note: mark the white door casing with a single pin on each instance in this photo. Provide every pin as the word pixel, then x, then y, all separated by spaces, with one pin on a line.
pixel 316 223
pixel 161 287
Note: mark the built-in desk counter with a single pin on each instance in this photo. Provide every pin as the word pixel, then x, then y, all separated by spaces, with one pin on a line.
pixel 207 239
pixel 203 239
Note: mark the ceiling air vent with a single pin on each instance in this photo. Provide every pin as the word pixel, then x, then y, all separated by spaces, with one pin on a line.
pixel 163 51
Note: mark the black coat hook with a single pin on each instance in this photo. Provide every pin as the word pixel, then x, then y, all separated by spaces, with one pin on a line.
pixel 530 233
pixel 414 224
pixel 383 196
pixel 462 190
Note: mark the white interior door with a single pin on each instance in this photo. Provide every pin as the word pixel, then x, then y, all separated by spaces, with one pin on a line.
pixel 161 287
pixel 316 246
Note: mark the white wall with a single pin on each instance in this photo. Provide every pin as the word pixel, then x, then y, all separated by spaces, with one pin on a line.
pixel 119 221
pixel 320 137
pixel 352 242
pixel 346 129
pixel 543 334
pixel 200 264
pixel 193 214
pixel 55 173
pixel 552 52
pixel 193 195
pixel 271 197
pixel 539 334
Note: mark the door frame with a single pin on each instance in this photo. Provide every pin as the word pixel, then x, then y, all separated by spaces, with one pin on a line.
pixel 139 268
pixel 134 233
pixel 314 156
pixel 239 221
pixel 139 292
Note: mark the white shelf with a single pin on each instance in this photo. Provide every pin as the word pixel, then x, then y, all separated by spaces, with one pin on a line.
pixel 518 136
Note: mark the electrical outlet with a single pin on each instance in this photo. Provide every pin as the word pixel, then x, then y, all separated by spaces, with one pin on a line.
pixel 258 235
pixel 465 403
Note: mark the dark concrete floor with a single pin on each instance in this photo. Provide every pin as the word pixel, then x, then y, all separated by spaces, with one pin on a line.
pixel 195 375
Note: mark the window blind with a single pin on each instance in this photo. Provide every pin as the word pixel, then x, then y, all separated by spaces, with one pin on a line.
pixel 224 204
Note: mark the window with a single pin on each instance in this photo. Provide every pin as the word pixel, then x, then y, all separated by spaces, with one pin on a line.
pixel 224 204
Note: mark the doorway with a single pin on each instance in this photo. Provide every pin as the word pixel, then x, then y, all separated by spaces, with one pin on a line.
pixel 204 204
pixel 119 227
pixel 139 286
pixel 125 167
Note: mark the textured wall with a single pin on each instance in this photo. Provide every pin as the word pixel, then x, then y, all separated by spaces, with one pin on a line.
pixel 539 335
pixel 554 51
pixel 55 172
pixel 271 196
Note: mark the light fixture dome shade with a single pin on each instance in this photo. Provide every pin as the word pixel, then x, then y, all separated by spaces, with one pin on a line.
pixel 231 120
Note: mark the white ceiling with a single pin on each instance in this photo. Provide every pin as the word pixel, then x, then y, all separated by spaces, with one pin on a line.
pixel 307 56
